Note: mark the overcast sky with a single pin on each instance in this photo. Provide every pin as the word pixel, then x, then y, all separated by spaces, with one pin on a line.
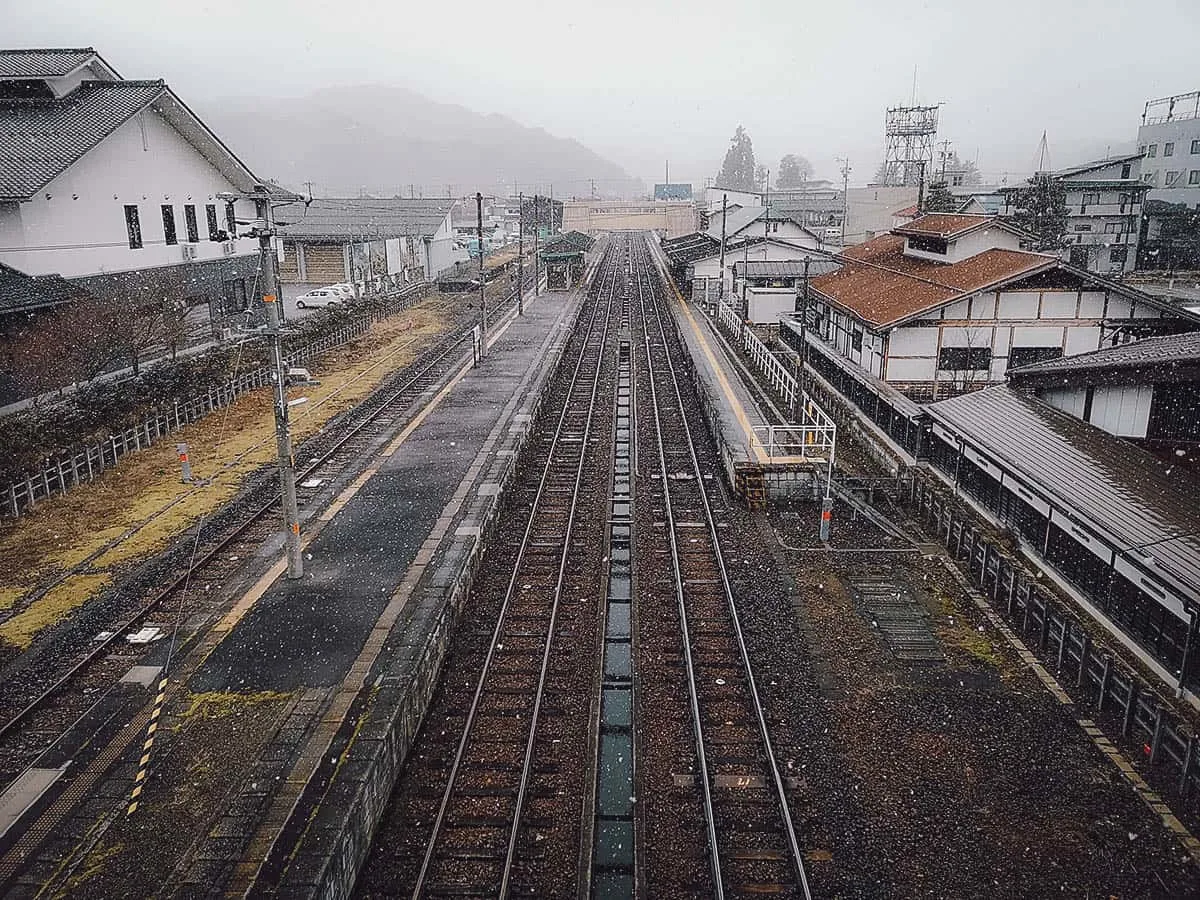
pixel 642 82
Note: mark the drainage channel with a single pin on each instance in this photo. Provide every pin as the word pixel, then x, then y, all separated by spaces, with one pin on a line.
pixel 613 857
pixel 900 619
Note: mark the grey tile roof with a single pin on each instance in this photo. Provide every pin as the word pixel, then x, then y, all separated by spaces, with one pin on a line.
pixel 336 219
pixel 819 264
pixel 42 63
pixel 39 139
pixel 20 292
pixel 1115 488
pixel 1152 351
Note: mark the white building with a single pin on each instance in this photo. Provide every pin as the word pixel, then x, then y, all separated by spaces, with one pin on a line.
pixel 1169 139
pixel 763 222
pixel 342 239
pixel 118 185
pixel 949 302
pixel 1104 209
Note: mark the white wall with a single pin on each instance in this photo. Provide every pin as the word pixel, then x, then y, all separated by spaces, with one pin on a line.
pixel 1123 410
pixel 76 225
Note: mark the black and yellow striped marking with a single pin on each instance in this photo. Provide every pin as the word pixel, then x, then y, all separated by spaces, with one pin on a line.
pixel 139 780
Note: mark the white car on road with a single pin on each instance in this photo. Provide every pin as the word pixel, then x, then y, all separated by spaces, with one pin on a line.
pixel 319 297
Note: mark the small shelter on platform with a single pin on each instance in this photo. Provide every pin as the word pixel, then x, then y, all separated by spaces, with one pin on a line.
pixel 564 260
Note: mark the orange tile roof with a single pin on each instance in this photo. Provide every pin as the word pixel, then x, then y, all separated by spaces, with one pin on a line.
pixel 945 225
pixel 882 286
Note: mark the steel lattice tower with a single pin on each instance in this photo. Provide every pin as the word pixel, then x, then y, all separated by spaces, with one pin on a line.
pixel 910 131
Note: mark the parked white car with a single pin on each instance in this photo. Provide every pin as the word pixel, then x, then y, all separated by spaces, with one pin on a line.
pixel 345 291
pixel 320 297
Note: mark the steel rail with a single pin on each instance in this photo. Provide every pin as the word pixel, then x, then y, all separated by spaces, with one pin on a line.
pixel 102 646
pixel 468 725
pixel 764 733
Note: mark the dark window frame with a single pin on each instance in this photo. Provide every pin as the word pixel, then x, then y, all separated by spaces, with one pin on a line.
pixel 170 235
pixel 1024 356
pixel 189 222
pixel 214 227
pixel 133 226
pixel 964 359
pixel 927 244
pixel 230 219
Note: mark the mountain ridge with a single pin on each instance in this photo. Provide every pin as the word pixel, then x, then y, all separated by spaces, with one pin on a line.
pixel 386 139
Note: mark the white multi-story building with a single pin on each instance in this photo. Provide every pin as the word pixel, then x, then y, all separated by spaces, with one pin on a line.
pixel 1104 208
pixel 1169 138
pixel 118 186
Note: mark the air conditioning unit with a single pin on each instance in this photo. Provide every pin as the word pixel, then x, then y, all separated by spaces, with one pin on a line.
pixel 189 251
pixel 228 248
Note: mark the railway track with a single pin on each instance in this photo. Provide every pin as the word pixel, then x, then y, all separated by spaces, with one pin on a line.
pixel 749 838
pixel 29 723
pixel 508 751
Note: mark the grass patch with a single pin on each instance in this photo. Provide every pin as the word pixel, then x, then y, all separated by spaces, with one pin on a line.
pixel 143 497
pixel 61 600
pixel 215 704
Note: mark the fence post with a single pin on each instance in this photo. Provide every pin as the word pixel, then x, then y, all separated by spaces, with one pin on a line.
pixel 1156 740
pixel 1130 708
pixel 1047 608
pixel 1189 751
pixel 1104 677
pixel 1083 659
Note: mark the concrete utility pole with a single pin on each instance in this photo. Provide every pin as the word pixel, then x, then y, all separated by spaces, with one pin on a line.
pixel 845 193
pixel 283 438
pixel 482 294
pixel 537 233
pixel 921 190
pixel 802 304
pixel 521 255
pixel 721 280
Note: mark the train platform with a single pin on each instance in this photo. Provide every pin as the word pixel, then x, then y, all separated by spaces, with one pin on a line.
pixel 348 655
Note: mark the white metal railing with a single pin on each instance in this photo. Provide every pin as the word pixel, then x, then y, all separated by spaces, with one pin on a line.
pixel 814 434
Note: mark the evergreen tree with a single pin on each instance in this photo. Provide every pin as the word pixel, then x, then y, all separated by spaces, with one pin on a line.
pixel 737 171
pixel 939 199
pixel 1041 209
pixel 794 170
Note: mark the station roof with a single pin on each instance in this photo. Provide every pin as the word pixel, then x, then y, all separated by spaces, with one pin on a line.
pixel 1174 357
pixel 356 218
pixel 47 62
pixel 819 264
pixel 1146 508
pixel 41 138
pixel 21 293
pixel 883 287
pixel 689 247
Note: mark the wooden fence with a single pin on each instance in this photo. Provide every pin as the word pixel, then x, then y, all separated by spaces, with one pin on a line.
pixel 61 473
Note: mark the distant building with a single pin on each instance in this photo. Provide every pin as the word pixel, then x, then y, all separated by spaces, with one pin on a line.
pixel 947 303
pixel 673 191
pixel 758 221
pixel 695 260
pixel 118 186
pixel 1104 208
pixel 330 240
pixel 669 218
pixel 1169 141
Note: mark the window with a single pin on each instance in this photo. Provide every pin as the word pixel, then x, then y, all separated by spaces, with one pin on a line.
pixel 1169 148
pixel 1079 257
pixel 961 359
pixel 1114 227
pixel 1084 227
pixel 133 227
pixel 1172 178
pixel 235 295
pixel 1126 169
pixel 856 340
pixel 1118 255
pixel 1196 146
pixel 210 212
pixel 1091 198
pixel 1152 151
pixel 1026 356
pixel 230 219
pixel 927 244
pixel 1194 176
pixel 168 216
pixel 189 218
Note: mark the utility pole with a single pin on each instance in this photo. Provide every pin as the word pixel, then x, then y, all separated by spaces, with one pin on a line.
pixel 721 279
pixel 521 254
pixel 803 360
pixel 482 285
pixel 537 233
pixel 921 190
pixel 283 438
pixel 767 220
pixel 845 193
